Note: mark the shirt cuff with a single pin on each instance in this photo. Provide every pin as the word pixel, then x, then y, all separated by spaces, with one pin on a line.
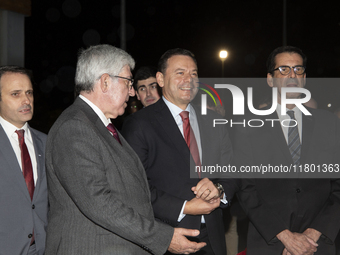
pixel 224 199
pixel 182 215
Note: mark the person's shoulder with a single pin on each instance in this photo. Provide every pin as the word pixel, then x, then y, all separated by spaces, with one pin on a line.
pixel 210 114
pixel 322 114
pixel 146 112
pixel 38 133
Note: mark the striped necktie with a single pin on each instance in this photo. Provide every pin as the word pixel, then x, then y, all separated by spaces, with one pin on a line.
pixel 294 144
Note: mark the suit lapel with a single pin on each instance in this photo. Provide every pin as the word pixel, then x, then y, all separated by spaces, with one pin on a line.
pixel 204 135
pixel 39 155
pixel 308 123
pixel 170 128
pixel 13 168
pixel 123 151
pixel 278 136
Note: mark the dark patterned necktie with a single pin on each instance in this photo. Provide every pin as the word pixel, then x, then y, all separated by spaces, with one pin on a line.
pixel 294 144
pixel 26 163
pixel 114 132
pixel 190 139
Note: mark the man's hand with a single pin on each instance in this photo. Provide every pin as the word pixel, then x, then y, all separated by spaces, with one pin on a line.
pixel 181 245
pixel 197 206
pixel 285 252
pixel 312 234
pixel 296 243
pixel 206 190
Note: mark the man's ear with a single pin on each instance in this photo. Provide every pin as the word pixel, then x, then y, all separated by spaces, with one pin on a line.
pixel 105 82
pixel 270 80
pixel 160 79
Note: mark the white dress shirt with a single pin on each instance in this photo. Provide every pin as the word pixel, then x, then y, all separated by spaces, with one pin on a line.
pixel 10 129
pixel 175 111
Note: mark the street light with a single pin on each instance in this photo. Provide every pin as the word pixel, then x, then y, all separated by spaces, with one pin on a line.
pixel 223 56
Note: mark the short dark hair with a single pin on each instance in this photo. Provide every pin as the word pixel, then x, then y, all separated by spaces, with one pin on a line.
pixel 144 73
pixel 14 69
pixel 163 61
pixel 283 49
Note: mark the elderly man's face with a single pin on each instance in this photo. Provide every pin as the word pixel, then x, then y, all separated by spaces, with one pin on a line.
pixel 118 94
pixel 292 79
pixel 180 80
pixel 16 104
pixel 147 91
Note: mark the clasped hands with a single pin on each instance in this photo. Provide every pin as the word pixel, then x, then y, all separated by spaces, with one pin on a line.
pixel 299 243
pixel 207 198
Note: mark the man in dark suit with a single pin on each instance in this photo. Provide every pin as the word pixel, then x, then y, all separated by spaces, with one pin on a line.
pixel 23 188
pixel 295 215
pixel 158 135
pixel 99 196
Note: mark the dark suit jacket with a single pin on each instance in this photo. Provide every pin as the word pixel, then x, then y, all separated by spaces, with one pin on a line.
pixel 153 133
pixel 295 204
pixel 18 214
pixel 99 196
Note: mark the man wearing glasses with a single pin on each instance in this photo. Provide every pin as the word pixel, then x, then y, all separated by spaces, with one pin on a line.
pixel 296 215
pixel 99 195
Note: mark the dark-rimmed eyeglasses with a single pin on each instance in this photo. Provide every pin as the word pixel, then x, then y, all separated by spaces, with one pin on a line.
pixel 125 78
pixel 285 70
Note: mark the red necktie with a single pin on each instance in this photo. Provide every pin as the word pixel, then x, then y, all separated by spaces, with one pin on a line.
pixel 113 130
pixel 190 139
pixel 26 163
pixel 27 169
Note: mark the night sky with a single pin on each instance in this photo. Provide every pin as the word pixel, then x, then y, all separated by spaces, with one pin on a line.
pixel 248 30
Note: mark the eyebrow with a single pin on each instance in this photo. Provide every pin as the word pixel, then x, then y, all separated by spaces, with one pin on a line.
pixel 144 86
pixel 152 83
pixel 19 90
pixel 181 69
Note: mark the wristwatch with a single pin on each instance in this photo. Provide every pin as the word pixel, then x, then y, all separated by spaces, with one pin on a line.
pixel 220 188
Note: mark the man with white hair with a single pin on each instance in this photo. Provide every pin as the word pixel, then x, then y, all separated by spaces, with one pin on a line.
pixel 99 196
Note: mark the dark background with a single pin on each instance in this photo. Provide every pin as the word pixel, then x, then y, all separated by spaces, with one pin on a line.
pixel 248 30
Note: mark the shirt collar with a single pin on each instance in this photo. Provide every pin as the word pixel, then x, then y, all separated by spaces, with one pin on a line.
pixel 296 110
pixel 174 109
pixel 96 109
pixel 10 129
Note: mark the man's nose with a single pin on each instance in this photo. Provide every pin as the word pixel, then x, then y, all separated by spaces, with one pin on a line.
pixel 188 77
pixel 132 92
pixel 292 74
pixel 148 91
pixel 27 99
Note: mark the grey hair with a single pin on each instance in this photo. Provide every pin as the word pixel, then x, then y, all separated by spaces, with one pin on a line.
pixel 98 60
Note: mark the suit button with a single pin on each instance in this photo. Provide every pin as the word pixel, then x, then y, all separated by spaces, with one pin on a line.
pixel 33 206
pixel 298 190
pixel 30 236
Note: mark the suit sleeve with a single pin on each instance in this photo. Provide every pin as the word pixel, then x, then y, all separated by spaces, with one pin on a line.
pixel 328 220
pixel 82 172
pixel 230 184
pixel 166 207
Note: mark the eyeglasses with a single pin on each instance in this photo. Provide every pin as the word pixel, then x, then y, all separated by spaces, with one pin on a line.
pixel 285 70
pixel 125 78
